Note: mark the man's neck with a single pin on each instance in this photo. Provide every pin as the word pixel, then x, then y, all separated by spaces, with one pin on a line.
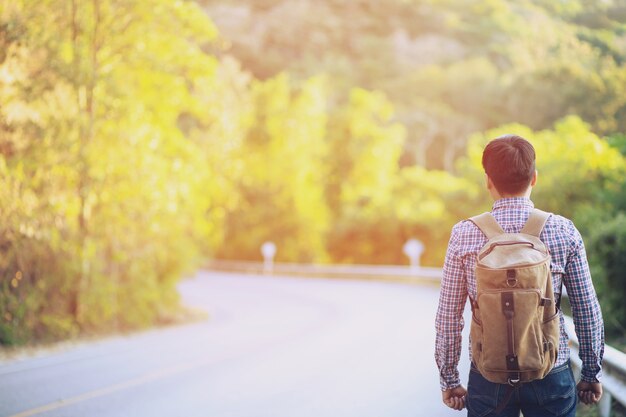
pixel 497 196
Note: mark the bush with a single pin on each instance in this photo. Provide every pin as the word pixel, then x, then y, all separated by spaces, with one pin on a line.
pixel 607 248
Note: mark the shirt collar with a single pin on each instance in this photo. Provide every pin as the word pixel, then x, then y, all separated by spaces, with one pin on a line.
pixel 513 202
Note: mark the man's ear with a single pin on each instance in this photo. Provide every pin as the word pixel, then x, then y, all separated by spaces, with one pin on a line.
pixel 488 182
pixel 493 191
pixel 534 180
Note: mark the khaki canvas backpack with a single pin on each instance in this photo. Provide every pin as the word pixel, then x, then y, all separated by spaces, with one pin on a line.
pixel 515 326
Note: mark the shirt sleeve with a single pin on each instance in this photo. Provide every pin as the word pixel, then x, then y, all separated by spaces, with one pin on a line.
pixel 585 308
pixel 449 320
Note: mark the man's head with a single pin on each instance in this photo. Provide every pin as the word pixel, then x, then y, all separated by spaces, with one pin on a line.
pixel 509 162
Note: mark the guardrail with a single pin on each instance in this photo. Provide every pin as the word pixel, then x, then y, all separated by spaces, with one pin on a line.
pixel 614 364
pixel 613 371
pixel 397 273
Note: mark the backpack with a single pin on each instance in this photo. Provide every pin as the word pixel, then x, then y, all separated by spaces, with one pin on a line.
pixel 515 327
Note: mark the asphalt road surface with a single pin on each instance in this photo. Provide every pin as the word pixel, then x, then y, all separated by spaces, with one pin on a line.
pixel 272 347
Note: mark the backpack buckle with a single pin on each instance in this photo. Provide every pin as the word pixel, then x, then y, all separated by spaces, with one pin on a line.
pixel 513 382
pixel 513 366
pixel 511 278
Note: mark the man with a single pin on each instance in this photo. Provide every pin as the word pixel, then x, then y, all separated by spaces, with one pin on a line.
pixel 509 164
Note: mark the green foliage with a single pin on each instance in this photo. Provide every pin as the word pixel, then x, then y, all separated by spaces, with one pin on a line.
pixel 103 200
pixel 280 184
pixel 581 176
pixel 575 167
pixel 449 67
pixel 608 244
pixel 363 136
pixel 423 204
pixel 135 140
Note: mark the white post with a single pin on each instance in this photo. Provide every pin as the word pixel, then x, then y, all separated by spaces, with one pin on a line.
pixel 268 250
pixel 413 248
pixel 605 404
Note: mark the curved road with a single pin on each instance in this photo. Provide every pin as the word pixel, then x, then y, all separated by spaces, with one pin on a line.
pixel 273 347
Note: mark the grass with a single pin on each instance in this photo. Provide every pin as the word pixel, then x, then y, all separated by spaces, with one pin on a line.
pixel 587 411
pixel 617 410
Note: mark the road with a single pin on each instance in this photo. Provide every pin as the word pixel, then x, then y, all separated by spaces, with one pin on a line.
pixel 272 347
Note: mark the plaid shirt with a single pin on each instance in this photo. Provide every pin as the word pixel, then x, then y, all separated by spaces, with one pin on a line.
pixel 568 265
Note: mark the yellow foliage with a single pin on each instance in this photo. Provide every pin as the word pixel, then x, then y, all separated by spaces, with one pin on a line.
pixel 573 163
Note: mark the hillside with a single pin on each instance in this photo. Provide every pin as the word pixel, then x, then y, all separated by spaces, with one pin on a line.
pixel 450 67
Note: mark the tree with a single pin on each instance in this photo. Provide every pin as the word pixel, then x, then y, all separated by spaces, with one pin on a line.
pixel 281 178
pixel 608 242
pixel 365 148
pixel 574 166
pixel 106 206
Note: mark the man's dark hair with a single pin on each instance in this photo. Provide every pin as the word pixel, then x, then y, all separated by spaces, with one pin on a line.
pixel 509 161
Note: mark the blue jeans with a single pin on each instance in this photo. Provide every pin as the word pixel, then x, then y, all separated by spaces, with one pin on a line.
pixel 554 395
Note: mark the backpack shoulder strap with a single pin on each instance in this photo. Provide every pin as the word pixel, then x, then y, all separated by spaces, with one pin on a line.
pixel 536 222
pixel 487 224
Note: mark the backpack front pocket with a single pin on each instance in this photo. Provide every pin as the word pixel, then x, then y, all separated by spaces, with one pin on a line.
pixel 511 330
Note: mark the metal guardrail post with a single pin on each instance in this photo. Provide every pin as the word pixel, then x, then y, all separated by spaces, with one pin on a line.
pixel 605 404
pixel 395 273
pixel 613 369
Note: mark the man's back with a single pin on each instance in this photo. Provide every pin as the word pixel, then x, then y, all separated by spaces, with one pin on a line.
pixel 567 253
pixel 568 265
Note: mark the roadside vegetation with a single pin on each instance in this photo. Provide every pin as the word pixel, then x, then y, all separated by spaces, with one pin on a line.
pixel 138 138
